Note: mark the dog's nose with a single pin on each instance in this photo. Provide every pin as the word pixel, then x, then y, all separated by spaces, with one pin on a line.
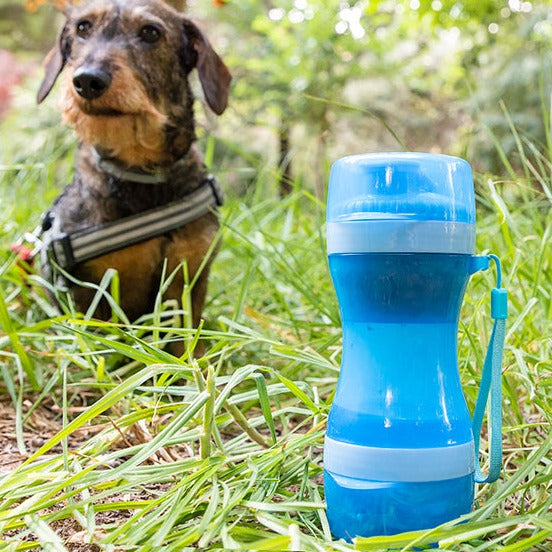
pixel 91 82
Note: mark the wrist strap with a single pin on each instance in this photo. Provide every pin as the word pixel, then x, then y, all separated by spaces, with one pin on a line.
pixel 491 383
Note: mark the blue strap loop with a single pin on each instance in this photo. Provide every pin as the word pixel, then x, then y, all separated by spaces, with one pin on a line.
pixel 491 383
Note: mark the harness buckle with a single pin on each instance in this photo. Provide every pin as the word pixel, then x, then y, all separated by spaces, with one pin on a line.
pixel 56 244
pixel 62 252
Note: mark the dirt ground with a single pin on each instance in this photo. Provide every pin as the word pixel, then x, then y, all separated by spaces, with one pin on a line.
pixel 42 424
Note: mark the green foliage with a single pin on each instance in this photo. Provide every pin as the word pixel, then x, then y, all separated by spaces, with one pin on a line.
pixel 469 55
pixel 287 52
pixel 511 79
pixel 24 31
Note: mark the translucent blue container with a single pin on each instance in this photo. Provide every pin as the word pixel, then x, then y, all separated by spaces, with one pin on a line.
pixel 399 450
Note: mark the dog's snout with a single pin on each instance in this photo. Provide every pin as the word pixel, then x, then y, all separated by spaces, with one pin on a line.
pixel 91 82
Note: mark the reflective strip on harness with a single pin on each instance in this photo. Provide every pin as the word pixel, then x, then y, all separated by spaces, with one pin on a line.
pixel 70 249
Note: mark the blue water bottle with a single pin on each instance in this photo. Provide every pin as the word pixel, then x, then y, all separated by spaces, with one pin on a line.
pixel 399 452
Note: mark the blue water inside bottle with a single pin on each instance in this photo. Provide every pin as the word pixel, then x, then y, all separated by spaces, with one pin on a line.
pixel 399 388
pixel 399 450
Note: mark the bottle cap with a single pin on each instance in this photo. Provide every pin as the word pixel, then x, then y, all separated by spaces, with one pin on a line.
pixel 401 202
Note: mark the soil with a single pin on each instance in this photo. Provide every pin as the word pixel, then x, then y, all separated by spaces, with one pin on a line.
pixel 42 424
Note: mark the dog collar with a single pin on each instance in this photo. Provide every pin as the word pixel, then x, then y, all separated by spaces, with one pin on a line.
pixel 136 174
pixel 65 250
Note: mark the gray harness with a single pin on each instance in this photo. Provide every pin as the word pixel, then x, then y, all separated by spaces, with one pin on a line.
pixel 65 250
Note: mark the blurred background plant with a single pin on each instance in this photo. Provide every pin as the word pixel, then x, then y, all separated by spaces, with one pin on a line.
pixel 315 79
pixel 344 76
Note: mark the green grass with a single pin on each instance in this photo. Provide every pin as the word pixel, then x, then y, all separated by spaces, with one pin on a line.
pixel 225 451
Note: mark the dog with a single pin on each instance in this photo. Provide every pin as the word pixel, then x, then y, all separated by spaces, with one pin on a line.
pixel 124 67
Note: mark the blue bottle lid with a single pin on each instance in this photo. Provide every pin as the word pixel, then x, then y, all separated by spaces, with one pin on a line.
pixel 401 202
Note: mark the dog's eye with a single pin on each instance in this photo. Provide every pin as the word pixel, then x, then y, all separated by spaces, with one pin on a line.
pixel 83 28
pixel 149 34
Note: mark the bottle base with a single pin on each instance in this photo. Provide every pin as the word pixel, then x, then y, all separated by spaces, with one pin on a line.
pixel 361 508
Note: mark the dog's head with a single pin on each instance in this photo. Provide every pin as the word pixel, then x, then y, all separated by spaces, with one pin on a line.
pixel 125 87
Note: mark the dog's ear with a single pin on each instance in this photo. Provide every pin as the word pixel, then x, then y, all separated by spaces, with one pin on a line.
pixel 54 63
pixel 213 74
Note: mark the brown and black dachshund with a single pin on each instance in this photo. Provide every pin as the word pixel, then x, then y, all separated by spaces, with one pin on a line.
pixel 123 68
